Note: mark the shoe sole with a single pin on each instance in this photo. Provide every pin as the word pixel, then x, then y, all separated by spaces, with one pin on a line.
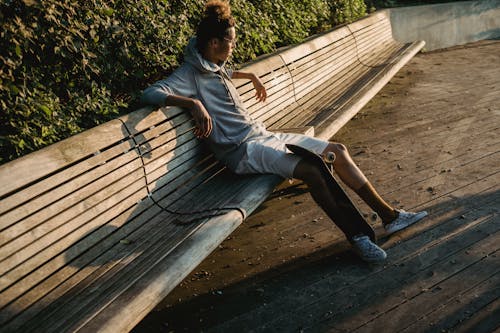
pixel 417 218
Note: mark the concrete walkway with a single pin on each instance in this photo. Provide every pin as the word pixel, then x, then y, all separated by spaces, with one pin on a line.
pixel 429 140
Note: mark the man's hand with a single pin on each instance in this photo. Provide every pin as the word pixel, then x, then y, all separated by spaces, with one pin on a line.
pixel 260 90
pixel 202 119
pixel 201 116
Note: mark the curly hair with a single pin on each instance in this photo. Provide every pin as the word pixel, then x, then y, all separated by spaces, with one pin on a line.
pixel 214 23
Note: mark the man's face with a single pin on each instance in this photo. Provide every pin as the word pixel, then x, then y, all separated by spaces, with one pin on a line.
pixel 224 48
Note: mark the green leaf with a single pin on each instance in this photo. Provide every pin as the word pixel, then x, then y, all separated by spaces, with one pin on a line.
pixel 46 110
pixel 18 51
pixel 108 11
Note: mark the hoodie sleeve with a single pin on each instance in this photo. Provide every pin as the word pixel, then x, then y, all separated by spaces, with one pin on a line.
pixel 180 82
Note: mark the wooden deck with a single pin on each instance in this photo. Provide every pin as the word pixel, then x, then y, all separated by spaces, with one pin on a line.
pixel 429 140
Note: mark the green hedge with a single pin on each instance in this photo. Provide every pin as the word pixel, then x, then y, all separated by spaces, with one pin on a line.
pixel 66 66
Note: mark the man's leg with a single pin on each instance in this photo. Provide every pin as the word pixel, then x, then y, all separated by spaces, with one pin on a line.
pixel 353 177
pixel 393 220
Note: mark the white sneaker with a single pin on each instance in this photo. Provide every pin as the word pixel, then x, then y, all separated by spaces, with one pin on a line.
pixel 404 220
pixel 367 250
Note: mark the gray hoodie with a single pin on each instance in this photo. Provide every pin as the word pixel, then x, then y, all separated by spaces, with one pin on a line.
pixel 210 83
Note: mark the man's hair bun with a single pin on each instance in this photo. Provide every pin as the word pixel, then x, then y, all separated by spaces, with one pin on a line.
pixel 217 9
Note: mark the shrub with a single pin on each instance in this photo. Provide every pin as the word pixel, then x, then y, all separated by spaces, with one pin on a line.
pixel 66 66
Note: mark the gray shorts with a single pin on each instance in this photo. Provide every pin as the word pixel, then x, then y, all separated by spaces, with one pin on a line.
pixel 268 154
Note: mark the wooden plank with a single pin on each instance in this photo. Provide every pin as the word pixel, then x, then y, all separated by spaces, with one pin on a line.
pixel 32 167
pixel 25 195
pixel 322 73
pixel 224 196
pixel 350 273
pixel 272 80
pixel 315 43
pixel 271 121
pixel 179 171
pixel 321 97
pixel 168 189
pixel 25 286
pixel 273 104
pixel 52 189
pixel 385 278
pixel 29 244
pixel 167 129
pixel 132 224
pixel 328 51
pixel 149 117
pixel 173 159
pixel 35 212
pixel 56 289
pixel 462 309
pixel 286 101
pixel 484 321
pixel 107 210
pixel 379 15
pixel 487 267
pixel 263 65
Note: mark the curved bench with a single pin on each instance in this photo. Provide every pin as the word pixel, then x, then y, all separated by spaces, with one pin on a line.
pixel 97 229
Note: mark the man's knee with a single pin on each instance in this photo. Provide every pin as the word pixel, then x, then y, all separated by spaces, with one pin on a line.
pixel 340 151
pixel 337 148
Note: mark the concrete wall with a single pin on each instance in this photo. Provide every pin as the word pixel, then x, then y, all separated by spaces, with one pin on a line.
pixel 447 24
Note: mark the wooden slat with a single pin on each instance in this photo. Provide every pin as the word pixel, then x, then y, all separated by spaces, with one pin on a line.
pixel 23 262
pixel 32 167
pixel 352 107
pixel 44 236
pixel 272 80
pixel 28 244
pixel 25 195
pixel 279 86
pixel 316 77
pixel 278 100
pixel 149 117
pixel 67 280
pixel 173 186
pixel 59 199
pixel 311 104
pixel 315 43
pixel 381 15
pixel 293 111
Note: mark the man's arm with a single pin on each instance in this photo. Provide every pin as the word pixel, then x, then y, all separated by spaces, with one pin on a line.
pixel 200 114
pixel 260 90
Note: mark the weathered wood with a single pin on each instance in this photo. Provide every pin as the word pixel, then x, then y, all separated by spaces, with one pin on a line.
pixel 26 170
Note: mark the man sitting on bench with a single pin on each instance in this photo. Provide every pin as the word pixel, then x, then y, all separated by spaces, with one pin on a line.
pixel 202 84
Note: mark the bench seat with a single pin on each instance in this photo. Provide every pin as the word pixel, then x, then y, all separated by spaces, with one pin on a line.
pixel 97 229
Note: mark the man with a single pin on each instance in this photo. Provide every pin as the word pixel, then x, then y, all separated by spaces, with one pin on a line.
pixel 202 84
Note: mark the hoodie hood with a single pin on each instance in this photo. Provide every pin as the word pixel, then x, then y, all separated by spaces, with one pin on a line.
pixel 194 57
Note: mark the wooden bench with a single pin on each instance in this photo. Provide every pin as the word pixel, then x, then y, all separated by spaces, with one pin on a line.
pixel 93 231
